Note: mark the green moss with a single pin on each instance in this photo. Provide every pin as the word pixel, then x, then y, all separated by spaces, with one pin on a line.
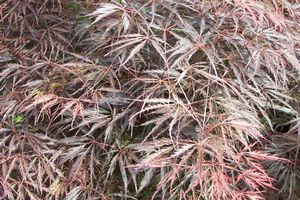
pixel 54 85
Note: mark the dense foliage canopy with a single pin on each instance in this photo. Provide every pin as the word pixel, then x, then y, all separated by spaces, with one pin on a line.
pixel 149 99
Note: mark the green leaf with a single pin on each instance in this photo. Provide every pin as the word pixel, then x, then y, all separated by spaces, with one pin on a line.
pixel 122 1
pixel 72 5
pixel 18 118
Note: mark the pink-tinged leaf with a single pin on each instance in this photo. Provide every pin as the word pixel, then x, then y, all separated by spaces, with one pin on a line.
pixel 134 51
pixel 147 179
pixel 105 10
pixel 159 50
pixel 74 193
pixel 112 166
pixel 126 22
pixel 123 173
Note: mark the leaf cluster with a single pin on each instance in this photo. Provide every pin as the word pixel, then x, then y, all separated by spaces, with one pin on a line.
pixel 160 99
